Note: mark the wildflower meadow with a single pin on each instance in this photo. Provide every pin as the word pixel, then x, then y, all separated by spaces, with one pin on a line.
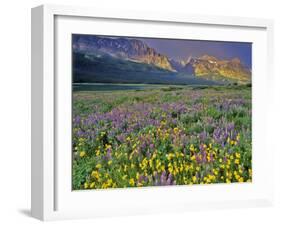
pixel 161 136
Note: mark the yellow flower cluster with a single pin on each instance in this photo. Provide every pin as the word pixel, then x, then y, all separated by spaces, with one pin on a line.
pixel 212 165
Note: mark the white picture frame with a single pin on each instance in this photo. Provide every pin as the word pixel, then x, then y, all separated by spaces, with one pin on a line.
pixel 51 197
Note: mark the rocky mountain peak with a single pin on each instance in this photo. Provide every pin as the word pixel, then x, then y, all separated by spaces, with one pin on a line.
pixel 131 49
pixel 208 58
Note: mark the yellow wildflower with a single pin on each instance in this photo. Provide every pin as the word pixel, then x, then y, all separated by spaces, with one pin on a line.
pixel 215 172
pixel 81 139
pixel 82 154
pixel 109 182
pixel 191 147
pixel 237 155
pixel 107 146
pixel 170 169
pixel 181 168
pixel 238 137
pixel 241 179
pixel 170 156
pixel 194 179
pixel 237 177
pixel 98 166
pixel 228 140
pixel 132 182
pixel 211 177
pixel 104 185
pixel 150 163
pixel 95 174
pixel 250 172
pixel 92 185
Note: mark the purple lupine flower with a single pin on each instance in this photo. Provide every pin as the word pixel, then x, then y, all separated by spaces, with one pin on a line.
pixel 169 181
pixel 204 156
pixel 108 154
pixel 211 157
pixel 203 136
pixel 198 159
pixel 156 182
pixel 163 178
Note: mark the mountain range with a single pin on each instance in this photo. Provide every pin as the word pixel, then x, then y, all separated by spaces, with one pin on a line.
pixel 109 59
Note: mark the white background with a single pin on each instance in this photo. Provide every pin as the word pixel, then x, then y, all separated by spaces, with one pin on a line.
pixel 15 112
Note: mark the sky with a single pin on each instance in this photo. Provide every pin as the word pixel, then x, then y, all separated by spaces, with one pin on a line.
pixel 182 49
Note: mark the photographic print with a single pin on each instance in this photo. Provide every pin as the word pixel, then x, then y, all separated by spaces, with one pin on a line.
pixel 160 112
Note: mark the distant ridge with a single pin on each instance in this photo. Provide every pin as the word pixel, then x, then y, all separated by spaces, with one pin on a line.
pixel 121 54
pixel 213 68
